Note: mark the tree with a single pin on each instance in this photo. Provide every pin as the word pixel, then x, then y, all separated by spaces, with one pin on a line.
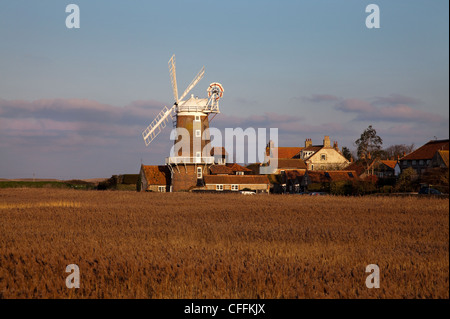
pixel 346 153
pixel 398 150
pixel 369 143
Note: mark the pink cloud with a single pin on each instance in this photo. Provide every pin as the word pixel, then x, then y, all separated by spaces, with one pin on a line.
pixel 355 105
pixel 367 111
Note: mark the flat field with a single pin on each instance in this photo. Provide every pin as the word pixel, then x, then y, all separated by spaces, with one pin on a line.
pixel 181 245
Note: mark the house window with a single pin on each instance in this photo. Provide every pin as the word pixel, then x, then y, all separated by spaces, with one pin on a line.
pixel 350 174
pixel 322 167
pixel 239 173
pixel 414 162
pixel 199 172
pixel 234 187
pixel 323 157
pixel 421 162
pixel 198 157
pixel 312 166
pixel 428 162
pixel 198 133
pixel 197 118
pixel 162 189
pixel 219 187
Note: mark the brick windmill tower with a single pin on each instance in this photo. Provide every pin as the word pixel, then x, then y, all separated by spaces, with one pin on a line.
pixel 191 155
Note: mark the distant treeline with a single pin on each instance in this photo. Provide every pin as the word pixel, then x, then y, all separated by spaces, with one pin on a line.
pixel 75 184
pixel 116 182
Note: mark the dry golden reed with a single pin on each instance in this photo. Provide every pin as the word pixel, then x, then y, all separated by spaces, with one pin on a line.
pixel 180 245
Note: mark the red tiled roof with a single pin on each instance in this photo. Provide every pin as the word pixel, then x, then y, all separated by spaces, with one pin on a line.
pixel 291 163
pixel 428 150
pixel 236 179
pixel 389 163
pixel 157 175
pixel 331 176
pixel 238 168
pixel 357 167
pixel 220 169
pixel 287 152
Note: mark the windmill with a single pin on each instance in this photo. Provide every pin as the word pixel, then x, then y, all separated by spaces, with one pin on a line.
pixel 190 116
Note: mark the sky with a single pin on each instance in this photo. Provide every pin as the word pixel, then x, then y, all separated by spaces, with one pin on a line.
pixel 74 102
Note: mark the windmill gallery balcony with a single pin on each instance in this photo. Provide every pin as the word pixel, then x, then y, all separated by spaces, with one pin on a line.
pixel 189 160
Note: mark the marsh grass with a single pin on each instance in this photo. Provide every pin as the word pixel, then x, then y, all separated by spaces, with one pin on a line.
pixel 182 245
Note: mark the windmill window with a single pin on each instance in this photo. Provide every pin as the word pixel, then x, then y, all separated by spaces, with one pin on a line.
pixel 198 133
pixel 235 187
pixel 323 157
pixel 219 187
pixel 199 172
pixel 197 118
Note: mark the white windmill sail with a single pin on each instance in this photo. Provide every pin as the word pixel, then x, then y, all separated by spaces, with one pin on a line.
pixel 194 82
pixel 173 77
pixel 162 118
pixel 157 124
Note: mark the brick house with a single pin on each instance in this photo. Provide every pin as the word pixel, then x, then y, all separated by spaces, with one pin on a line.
pixel 155 178
pixel 426 156
pixel 235 183
pixel 229 169
pixel 382 168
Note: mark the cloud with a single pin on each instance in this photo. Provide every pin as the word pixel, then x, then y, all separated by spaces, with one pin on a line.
pixel 318 98
pixel 355 105
pixel 395 99
pixel 387 109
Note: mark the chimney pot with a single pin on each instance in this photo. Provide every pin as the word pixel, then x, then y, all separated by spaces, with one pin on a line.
pixel 326 141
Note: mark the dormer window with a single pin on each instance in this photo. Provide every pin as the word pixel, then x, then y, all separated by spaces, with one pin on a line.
pixel 197 118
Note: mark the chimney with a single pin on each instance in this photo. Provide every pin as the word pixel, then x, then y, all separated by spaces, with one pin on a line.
pixel 335 145
pixel 308 142
pixel 269 148
pixel 326 141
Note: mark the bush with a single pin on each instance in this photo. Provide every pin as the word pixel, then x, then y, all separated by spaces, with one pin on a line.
pixel 407 181
pixel 386 189
pixel 342 188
